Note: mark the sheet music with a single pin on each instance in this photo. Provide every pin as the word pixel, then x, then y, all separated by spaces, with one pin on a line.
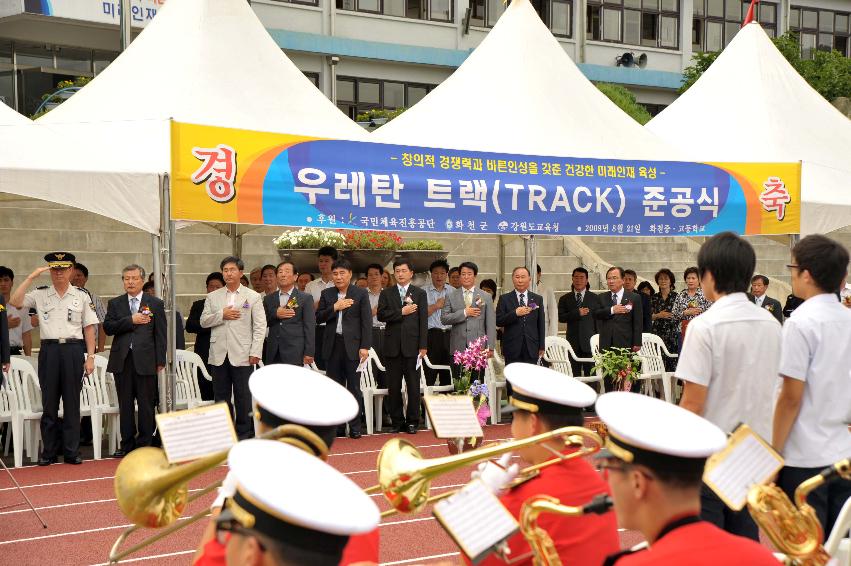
pixel 746 461
pixel 453 416
pixel 189 435
pixel 476 519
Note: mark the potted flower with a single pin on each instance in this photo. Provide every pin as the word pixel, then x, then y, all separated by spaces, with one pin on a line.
pixel 301 246
pixel 622 365
pixel 421 253
pixel 363 247
pixel 473 358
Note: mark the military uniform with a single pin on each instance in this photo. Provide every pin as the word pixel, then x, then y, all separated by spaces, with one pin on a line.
pixel 60 360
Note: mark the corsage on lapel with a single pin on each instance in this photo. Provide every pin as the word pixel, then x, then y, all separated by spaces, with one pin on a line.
pixel 245 305
pixel 292 303
pixel 146 310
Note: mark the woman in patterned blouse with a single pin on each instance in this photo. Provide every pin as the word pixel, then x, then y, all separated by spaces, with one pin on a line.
pixel 690 302
pixel 662 306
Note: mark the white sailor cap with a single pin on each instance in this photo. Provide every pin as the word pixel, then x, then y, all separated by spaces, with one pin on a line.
pixel 289 496
pixel 648 431
pixel 540 389
pixel 294 394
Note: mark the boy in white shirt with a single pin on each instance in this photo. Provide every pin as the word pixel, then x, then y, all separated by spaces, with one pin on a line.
pixel 814 407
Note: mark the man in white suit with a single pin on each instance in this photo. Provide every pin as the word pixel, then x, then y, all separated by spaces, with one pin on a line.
pixel 237 321
pixel 470 312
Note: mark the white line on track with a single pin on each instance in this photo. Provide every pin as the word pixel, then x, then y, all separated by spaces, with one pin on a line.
pixel 409 560
pixel 152 557
pixel 57 483
pixel 420 447
pixel 61 505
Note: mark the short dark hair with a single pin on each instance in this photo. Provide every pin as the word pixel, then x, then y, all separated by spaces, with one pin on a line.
pixel 579 270
pixel 439 263
pixel 620 270
pixel 825 259
pixel 630 272
pixel 538 268
pixel 269 266
pixel 341 263
pixel 148 285
pixel 312 277
pixel 374 266
pixel 488 284
pixel 244 279
pixel 7 272
pixel 762 278
pixel 328 251
pixel 523 267
pixel 646 285
pixel 690 270
pixel 469 265
pixel 668 273
pixel 217 276
pixel 286 262
pixel 403 261
pixel 453 270
pixel 232 259
pixel 82 269
pixel 731 260
pixel 681 477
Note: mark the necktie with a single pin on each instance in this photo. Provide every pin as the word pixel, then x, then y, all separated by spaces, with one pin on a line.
pixel 402 295
pixel 522 300
pixel 134 305
pixel 578 298
pixel 468 298
pixel 614 298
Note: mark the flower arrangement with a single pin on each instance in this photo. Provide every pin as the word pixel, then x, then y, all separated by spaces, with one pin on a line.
pixel 292 303
pixel 474 357
pixel 533 305
pixel 370 240
pixel 146 310
pixel 421 245
pixel 309 239
pixel 621 364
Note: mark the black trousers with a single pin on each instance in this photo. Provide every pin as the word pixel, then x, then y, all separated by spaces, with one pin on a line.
pixel 827 500
pixel 438 354
pixel 398 368
pixel 226 379
pixel 344 371
pixel 60 375
pixel 15 350
pixel 378 346
pixel 142 389
pixel 205 387
pixel 580 367
pixel 523 358
pixel 715 511
pixel 317 357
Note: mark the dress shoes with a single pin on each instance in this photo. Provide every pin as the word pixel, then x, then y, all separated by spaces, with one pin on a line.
pixel 75 460
pixel 397 429
pixel 411 429
pixel 355 435
pixel 42 461
pixel 119 453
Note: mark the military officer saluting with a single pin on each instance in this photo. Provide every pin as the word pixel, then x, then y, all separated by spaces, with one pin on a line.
pixel 67 325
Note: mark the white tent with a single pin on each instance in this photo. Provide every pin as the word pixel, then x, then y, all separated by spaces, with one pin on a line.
pixel 8 116
pixel 519 92
pixel 751 105
pixel 208 62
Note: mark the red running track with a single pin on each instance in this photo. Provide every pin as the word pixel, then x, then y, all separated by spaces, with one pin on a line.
pixel 78 504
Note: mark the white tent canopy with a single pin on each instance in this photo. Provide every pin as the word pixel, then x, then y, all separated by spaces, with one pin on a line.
pixel 751 105
pixel 529 98
pixel 208 62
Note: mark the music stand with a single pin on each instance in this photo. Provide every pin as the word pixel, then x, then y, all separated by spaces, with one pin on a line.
pixel 24 495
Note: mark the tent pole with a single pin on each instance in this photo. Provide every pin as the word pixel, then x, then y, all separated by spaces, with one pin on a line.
pixel 235 241
pixel 531 253
pixel 156 266
pixel 166 400
pixel 125 28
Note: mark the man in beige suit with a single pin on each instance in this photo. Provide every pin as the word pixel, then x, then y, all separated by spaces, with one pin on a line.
pixel 237 321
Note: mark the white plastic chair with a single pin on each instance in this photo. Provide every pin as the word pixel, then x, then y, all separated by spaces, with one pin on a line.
pixel 653 363
pixel 6 412
pixel 838 544
pixel 187 394
pixel 103 402
pixel 373 397
pixel 558 354
pixel 433 389
pixel 495 381
pixel 25 401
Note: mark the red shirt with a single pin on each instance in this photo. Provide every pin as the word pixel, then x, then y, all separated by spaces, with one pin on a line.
pixel 701 544
pixel 214 554
pixel 579 540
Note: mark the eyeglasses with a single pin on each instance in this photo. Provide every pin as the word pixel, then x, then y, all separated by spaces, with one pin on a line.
pixel 607 466
pixel 225 528
pixel 792 266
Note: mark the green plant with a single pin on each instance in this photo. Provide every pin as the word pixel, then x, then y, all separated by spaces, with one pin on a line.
pixel 625 100
pixel 622 365
pixel 61 85
pixel 378 113
pixel 431 245
pixel 370 240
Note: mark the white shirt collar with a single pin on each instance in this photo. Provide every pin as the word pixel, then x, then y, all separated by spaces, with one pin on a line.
pixel 402 290
pixel 234 292
pixel 288 293
pixel 137 297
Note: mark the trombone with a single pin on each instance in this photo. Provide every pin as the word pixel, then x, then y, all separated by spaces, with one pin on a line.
pixel 153 494
pixel 404 476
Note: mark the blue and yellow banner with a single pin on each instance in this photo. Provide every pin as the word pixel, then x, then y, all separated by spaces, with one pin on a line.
pixel 240 176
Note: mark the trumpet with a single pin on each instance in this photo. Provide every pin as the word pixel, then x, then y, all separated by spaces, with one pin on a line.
pixel 404 476
pixel 543 548
pixel 153 494
pixel 794 529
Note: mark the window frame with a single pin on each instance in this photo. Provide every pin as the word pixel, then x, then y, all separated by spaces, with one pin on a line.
pixel 799 28
pixel 704 18
pixel 658 13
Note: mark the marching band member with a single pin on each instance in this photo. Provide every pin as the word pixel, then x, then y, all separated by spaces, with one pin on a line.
pixel 286 394
pixel 654 459
pixel 544 400
pixel 274 517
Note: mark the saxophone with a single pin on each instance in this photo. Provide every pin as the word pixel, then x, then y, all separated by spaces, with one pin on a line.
pixel 543 548
pixel 794 529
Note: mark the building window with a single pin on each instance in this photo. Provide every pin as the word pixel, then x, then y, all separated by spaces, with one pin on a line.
pixel 821 30
pixel 355 96
pixel 312 77
pixel 716 22
pixel 556 14
pixel 308 2
pixel 435 10
pixel 648 23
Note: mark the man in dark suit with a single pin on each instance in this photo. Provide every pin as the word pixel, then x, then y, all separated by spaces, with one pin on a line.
pixel 290 317
pixel 137 322
pixel 346 311
pixel 759 286
pixel 577 308
pixel 521 315
pixel 620 315
pixel 404 309
pixel 630 280
pixel 215 281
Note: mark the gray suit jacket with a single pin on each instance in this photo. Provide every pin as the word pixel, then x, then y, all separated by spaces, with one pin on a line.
pixel 235 339
pixel 466 329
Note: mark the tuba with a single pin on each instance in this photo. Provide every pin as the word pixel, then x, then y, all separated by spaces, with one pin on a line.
pixel 543 548
pixel 794 529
